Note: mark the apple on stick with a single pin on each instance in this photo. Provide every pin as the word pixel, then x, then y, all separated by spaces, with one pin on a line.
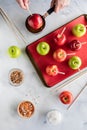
pixel 75 45
pixel 60 55
pixel 53 70
pixel 14 51
pixel 35 21
pixel 60 39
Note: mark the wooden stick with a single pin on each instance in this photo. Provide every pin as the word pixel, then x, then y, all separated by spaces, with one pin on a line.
pixel 69 81
pixel 69 54
pixel 29 11
pixel 63 31
pixel 59 35
pixel 61 73
pixel 83 43
pixel 77 97
pixel 13 26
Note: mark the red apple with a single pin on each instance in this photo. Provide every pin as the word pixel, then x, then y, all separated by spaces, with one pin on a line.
pixel 52 70
pixel 66 97
pixel 35 21
pixel 59 55
pixel 60 39
pixel 75 45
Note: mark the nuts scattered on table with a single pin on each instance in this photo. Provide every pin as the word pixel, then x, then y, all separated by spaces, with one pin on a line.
pixel 16 77
pixel 25 109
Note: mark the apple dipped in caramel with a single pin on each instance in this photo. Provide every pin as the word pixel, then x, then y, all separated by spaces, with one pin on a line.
pixel 60 38
pixel 35 23
pixel 60 55
pixel 75 45
pixel 52 70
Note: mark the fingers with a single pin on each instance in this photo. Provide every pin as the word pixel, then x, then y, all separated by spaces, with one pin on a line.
pixel 56 4
pixel 23 4
pixel 52 3
pixel 59 4
pixel 26 3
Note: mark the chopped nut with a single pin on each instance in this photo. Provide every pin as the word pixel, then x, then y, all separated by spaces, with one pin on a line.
pixel 16 77
pixel 24 109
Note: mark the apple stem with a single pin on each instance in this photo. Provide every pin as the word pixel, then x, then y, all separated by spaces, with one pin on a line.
pixel 83 43
pixel 71 54
pixel 63 31
pixel 61 73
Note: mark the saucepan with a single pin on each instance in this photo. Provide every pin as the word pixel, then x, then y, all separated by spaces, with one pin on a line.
pixel 43 19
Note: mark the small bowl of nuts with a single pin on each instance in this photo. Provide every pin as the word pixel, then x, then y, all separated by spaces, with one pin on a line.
pixel 16 77
pixel 25 109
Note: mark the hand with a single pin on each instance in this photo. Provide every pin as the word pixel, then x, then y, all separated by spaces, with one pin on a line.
pixel 23 3
pixel 59 4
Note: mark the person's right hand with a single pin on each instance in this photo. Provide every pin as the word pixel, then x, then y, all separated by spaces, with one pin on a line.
pixel 59 4
pixel 24 4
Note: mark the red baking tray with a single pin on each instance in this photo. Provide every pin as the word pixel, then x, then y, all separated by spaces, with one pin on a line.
pixel 40 62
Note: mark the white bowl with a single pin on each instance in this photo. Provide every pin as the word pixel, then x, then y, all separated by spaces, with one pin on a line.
pixel 16 79
pixel 26 113
pixel 54 117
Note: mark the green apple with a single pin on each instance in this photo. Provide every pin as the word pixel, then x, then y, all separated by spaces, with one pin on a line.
pixel 79 30
pixel 75 62
pixel 14 51
pixel 43 48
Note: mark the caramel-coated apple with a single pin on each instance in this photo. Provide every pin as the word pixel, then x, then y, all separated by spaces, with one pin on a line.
pixel 60 39
pixel 35 23
pixel 52 70
pixel 59 55
pixel 75 45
